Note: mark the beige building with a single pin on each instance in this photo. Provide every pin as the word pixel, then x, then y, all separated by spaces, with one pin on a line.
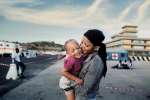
pixel 138 48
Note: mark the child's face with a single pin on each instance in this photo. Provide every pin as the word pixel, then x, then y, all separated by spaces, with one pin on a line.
pixel 74 50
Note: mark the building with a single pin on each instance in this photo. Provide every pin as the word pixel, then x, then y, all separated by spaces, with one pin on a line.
pixel 7 48
pixel 137 48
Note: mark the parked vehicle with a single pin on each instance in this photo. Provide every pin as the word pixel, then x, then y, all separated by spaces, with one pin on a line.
pixel 117 55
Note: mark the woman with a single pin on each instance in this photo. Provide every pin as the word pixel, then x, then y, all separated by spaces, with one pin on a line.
pixel 94 66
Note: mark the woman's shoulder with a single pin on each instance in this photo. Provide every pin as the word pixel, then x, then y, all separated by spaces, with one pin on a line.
pixel 97 59
pixel 95 56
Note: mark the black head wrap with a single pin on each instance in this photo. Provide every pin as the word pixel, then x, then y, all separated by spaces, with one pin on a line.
pixel 96 37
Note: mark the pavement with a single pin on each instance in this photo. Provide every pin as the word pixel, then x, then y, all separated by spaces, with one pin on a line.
pixel 118 84
pixel 33 67
pixel 42 87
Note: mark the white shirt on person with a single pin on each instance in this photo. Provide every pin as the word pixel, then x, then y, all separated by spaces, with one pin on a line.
pixel 16 57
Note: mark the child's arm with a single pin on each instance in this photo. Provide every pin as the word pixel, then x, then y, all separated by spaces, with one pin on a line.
pixel 70 76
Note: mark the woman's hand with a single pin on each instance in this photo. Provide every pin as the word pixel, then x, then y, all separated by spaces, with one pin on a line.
pixel 79 81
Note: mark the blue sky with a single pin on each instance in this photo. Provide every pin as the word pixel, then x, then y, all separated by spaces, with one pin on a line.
pixel 59 20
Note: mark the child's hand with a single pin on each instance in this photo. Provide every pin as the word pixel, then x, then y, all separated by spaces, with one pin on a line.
pixel 79 81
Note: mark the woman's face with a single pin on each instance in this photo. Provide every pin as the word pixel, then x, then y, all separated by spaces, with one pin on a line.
pixel 86 46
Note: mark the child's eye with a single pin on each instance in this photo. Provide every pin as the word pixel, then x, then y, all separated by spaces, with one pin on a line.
pixel 73 50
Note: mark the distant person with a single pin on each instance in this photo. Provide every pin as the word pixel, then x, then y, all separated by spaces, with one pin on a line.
pixel 130 63
pixel 125 64
pixel 16 58
pixel 119 64
pixel 71 68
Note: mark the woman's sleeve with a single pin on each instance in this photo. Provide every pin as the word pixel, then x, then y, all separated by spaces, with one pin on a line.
pixel 93 75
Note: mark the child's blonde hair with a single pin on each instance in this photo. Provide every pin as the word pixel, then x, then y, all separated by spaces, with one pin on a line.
pixel 70 41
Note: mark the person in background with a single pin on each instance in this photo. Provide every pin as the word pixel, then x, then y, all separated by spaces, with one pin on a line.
pixel 130 63
pixel 16 58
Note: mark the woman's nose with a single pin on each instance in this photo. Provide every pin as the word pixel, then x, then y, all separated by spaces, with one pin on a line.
pixel 81 45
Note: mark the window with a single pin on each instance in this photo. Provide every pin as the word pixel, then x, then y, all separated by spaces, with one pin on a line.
pixel 7 45
pixel 122 55
pixel 138 42
pixel 138 47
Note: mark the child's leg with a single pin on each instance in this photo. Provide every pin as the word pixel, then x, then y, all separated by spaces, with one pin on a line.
pixel 70 95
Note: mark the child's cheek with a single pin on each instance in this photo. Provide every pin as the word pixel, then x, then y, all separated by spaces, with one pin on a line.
pixel 73 54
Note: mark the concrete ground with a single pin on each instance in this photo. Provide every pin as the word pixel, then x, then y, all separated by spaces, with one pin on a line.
pixel 33 67
pixel 118 85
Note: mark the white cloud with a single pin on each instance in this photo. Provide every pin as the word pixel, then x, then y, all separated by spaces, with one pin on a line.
pixel 90 17
pixel 144 29
pixel 142 10
pixel 126 12
pixel 48 16
pixel 93 8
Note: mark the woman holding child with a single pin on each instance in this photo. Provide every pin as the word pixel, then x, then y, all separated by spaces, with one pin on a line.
pixel 91 65
pixel 94 65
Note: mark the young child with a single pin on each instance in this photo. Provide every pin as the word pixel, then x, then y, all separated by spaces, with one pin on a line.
pixel 72 66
